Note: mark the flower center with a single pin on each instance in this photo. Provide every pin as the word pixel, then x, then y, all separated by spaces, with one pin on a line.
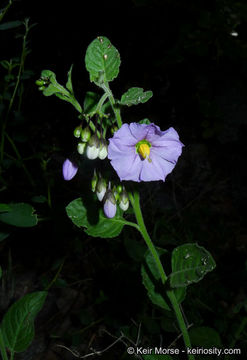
pixel 143 148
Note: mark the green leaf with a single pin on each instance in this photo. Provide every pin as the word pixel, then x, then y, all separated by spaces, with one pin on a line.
pixel 20 214
pixel 4 207
pixel 134 96
pixel 69 81
pixel 205 337
pixel 18 323
pixel 102 60
pixel 190 263
pixel 151 281
pixel 53 87
pixel 11 25
pixel 92 218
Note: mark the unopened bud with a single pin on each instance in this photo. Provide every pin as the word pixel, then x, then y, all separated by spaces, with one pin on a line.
pixel 69 170
pixel 114 129
pixel 93 147
pixel 77 132
pixel 40 82
pixel 119 188
pixel 124 200
pixel 103 150
pixel 101 189
pixel 110 206
pixel 85 134
pixel 81 148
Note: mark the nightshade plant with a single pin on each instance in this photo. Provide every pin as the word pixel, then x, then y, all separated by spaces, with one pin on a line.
pixel 138 152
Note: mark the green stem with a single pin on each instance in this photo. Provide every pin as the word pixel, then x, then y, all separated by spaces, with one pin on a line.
pixel 135 201
pixel 115 109
pixel 20 159
pixel 18 79
pixel 2 347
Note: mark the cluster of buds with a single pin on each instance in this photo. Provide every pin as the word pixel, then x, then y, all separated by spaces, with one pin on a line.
pixel 90 144
pixel 110 197
pixel 42 83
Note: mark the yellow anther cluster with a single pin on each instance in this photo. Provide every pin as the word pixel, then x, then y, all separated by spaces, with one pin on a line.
pixel 144 150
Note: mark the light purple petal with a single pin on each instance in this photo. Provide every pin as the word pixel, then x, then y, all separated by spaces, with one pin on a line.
pixel 117 148
pixel 139 131
pixel 169 152
pixel 109 209
pixel 151 171
pixel 165 165
pixel 163 137
pixel 69 170
pixel 125 135
pixel 127 166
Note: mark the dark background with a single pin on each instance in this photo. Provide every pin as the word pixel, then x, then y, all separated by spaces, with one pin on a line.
pixel 184 52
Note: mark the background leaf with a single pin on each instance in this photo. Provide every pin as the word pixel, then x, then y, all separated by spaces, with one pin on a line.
pixel 92 218
pixel 151 281
pixel 205 336
pixel 11 25
pixel 4 207
pixel 18 323
pixel 102 60
pixel 190 263
pixel 20 214
pixel 134 96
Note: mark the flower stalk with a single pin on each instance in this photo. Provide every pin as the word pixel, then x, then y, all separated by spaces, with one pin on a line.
pixel 135 201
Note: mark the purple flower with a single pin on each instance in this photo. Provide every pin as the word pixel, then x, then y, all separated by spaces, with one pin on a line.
pixel 141 152
pixel 69 170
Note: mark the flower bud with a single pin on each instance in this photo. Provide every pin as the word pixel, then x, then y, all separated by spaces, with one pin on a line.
pixel 101 189
pixel 69 170
pixel 110 206
pixel 93 147
pixel 114 129
pixel 40 82
pixel 119 189
pixel 85 134
pixel 77 131
pixel 94 181
pixel 81 147
pixel 124 200
pixel 41 88
pixel 103 150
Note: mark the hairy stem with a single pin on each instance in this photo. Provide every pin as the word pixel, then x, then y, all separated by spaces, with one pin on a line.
pixel 115 109
pixel 135 201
